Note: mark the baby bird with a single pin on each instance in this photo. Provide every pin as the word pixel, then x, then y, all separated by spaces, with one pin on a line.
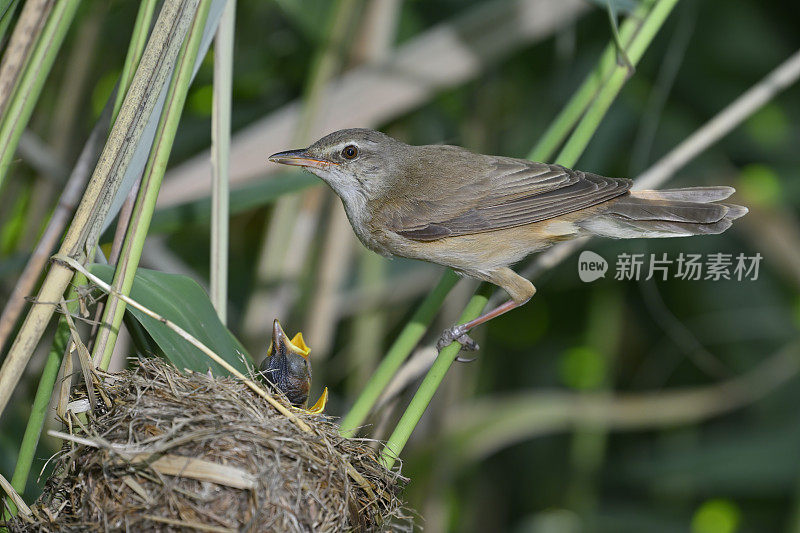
pixel 287 367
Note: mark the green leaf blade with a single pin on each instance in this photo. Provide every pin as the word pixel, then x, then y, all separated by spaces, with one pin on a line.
pixel 183 301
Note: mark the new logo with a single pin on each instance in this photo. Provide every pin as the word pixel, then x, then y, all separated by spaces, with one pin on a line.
pixel 591 266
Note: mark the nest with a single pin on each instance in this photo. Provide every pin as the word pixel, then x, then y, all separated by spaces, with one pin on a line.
pixel 178 452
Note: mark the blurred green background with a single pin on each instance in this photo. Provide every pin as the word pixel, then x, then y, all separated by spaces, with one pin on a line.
pixel 603 406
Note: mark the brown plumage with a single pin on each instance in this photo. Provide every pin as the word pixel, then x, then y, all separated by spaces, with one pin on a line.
pixel 478 213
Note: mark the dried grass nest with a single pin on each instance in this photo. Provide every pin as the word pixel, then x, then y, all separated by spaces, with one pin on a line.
pixel 183 452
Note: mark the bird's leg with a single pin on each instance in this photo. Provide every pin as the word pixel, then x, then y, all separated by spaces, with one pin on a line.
pixel 459 333
pixel 520 289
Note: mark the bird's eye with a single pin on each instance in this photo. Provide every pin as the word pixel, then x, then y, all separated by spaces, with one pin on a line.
pixel 350 151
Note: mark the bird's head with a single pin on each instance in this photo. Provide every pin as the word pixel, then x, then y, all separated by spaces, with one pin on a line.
pixel 353 161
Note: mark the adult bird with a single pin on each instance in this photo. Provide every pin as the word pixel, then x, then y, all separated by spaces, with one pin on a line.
pixel 478 214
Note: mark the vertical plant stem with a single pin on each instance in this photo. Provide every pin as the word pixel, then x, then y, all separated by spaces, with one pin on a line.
pixel 135 50
pixel 595 113
pixel 659 9
pixel 7 8
pixel 39 410
pixel 81 238
pixel 141 28
pixel 148 192
pixel 20 46
pixel 430 384
pixel 55 228
pixel 16 115
pixel 73 188
pixel 44 392
pixel 220 152
pixel 398 352
pixel 597 78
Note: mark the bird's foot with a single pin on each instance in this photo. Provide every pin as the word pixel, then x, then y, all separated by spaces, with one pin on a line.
pixel 457 334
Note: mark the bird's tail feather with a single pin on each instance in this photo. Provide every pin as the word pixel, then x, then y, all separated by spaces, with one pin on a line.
pixel 666 213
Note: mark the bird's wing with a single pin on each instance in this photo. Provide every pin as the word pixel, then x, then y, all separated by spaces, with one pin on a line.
pixel 512 192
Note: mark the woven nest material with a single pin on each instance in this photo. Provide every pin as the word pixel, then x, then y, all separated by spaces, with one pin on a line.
pixel 178 452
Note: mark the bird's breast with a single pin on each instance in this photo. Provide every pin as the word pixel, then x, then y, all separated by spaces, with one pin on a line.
pixel 360 215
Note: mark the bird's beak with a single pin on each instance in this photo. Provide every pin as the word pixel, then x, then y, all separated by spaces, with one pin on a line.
pixel 319 406
pixel 281 340
pixel 299 158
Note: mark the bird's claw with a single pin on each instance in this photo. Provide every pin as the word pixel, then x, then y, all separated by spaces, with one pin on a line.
pixel 460 359
pixel 457 334
pixel 449 335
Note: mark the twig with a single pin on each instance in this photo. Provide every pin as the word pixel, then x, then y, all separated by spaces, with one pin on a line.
pixel 22 507
pixel 83 441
